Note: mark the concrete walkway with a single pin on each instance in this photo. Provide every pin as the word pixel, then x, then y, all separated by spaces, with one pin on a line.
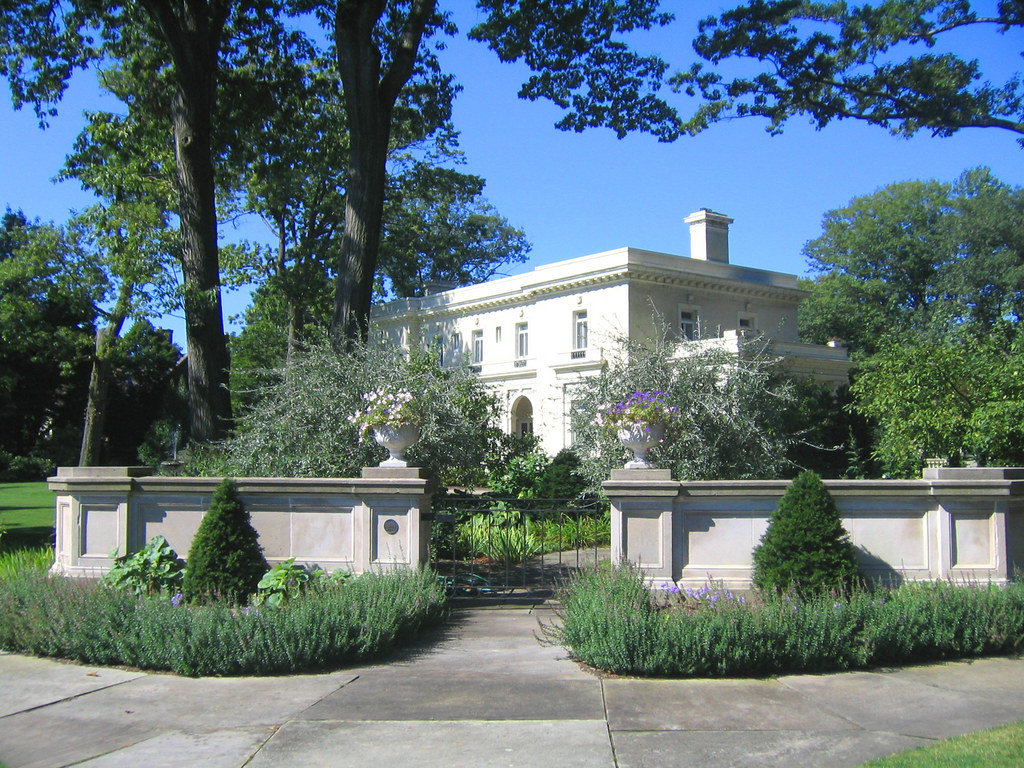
pixel 487 693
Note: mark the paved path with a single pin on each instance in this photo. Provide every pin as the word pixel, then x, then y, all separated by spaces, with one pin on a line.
pixel 484 694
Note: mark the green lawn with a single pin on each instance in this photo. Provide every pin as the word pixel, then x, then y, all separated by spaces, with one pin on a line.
pixel 1001 747
pixel 26 512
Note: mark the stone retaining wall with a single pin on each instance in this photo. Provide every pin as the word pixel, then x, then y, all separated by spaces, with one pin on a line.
pixel 951 524
pixel 373 522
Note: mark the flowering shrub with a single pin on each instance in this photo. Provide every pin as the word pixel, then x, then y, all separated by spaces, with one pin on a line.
pixel 385 408
pixel 710 595
pixel 301 422
pixel 734 411
pixel 707 596
pixel 648 408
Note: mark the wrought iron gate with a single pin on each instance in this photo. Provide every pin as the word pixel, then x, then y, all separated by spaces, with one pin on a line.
pixel 486 546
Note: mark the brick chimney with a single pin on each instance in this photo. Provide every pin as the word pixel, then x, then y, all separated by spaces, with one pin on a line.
pixel 709 235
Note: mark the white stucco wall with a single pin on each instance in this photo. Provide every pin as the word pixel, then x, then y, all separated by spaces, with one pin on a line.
pixel 622 292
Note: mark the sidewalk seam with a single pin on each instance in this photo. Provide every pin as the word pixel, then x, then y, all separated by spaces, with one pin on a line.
pixel 278 726
pixel 70 698
pixel 262 744
pixel 608 725
pixel 821 705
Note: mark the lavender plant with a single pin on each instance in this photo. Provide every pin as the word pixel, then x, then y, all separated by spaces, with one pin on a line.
pixel 612 621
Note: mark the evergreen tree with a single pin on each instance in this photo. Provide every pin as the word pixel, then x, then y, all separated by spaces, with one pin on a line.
pixel 225 560
pixel 805 549
pixel 561 480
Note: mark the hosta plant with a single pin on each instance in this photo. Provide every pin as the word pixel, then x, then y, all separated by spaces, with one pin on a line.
pixel 154 569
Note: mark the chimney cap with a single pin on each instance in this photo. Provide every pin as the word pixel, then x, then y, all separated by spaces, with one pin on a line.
pixel 706 214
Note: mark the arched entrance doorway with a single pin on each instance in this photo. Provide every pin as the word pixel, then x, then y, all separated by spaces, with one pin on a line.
pixel 522 417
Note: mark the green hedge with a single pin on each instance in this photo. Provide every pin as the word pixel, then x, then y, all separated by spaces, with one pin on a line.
pixel 611 621
pixel 327 626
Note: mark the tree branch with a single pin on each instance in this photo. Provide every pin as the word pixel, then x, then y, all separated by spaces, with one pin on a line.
pixel 404 54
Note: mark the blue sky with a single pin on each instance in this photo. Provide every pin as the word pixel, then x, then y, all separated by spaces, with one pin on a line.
pixel 576 194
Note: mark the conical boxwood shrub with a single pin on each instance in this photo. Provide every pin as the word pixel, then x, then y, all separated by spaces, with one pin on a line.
pixel 560 480
pixel 805 550
pixel 225 560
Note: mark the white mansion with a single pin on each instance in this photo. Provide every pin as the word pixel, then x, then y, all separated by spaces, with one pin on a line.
pixel 533 335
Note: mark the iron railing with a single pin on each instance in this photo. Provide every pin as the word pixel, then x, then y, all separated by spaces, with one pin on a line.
pixel 487 545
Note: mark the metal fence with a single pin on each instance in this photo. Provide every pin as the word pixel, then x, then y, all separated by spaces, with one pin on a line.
pixel 486 546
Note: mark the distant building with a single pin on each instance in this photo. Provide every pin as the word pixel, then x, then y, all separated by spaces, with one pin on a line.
pixel 532 336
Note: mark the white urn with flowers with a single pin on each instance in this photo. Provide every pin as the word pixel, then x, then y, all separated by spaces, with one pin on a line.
pixel 640 422
pixel 392 418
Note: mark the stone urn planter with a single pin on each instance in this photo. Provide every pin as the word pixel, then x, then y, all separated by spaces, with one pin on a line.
pixel 397 439
pixel 640 438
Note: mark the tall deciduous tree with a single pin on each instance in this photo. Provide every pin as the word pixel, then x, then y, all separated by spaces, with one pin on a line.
pixel 189 41
pixel 882 63
pixel 127 161
pixel 47 294
pixel 923 258
pixel 382 49
pixel 438 227
pixel 925 281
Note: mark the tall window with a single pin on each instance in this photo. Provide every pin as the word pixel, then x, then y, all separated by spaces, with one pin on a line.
pixel 497 335
pixel 522 340
pixel 579 329
pixel 688 324
pixel 456 347
pixel 478 346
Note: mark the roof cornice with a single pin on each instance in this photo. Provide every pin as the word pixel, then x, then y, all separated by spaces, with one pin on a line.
pixel 610 268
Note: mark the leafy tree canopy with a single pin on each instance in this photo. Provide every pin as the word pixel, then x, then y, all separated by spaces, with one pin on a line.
pixel 439 227
pixel 884 63
pixel 925 282
pixel 582 63
pixel 922 258
pixel 48 290
pixel 959 398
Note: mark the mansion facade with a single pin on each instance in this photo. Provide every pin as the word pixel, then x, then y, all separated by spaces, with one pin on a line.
pixel 532 336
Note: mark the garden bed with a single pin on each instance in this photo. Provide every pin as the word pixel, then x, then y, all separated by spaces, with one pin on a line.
pixel 327 626
pixel 611 621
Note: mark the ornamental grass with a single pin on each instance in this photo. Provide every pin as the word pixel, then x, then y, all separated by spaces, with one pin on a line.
pixel 611 620
pixel 327 626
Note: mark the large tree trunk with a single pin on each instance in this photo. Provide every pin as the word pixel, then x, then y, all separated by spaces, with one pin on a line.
pixel 99 396
pixel 209 399
pixel 369 105
pixel 360 246
pixel 99 380
pixel 192 30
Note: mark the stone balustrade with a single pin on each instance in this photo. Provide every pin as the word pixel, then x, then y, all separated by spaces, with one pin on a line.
pixel 373 522
pixel 950 524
